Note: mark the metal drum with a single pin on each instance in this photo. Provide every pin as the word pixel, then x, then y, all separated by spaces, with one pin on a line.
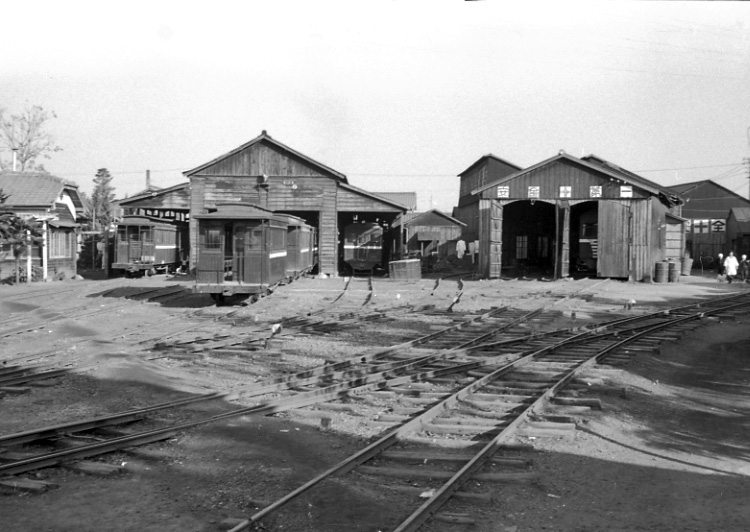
pixel 687 265
pixel 662 272
pixel 673 272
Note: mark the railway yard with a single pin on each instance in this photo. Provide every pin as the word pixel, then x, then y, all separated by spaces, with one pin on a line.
pixel 356 404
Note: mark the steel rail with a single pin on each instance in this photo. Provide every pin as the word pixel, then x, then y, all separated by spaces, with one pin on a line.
pixel 98 422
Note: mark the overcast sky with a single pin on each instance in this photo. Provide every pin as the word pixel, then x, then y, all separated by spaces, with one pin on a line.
pixel 399 96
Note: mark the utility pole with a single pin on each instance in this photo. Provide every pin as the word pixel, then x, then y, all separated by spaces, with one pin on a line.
pixel 746 160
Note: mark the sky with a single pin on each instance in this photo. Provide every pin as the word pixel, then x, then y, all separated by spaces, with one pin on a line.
pixel 398 96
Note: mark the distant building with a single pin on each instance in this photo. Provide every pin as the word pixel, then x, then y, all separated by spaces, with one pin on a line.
pixel 738 231
pixel 407 199
pixel 487 169
pixel 59 206
pixel 428 233
pixel 707 207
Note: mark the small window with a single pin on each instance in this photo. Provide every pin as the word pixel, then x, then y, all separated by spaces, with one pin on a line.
pixel 626 191
pixel 533 191
pixel 595 191
pixel 213 238
pixel 566 191
pixel 503 191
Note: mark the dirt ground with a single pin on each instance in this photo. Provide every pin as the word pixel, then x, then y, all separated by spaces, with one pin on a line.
pixel 668 451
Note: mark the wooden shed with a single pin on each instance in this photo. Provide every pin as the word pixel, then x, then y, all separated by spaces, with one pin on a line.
pixel 707 207
pixel 567 214
pixel 428 233
pixel 267 173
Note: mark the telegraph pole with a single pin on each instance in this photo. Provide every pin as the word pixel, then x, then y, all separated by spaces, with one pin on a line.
pixel 746 160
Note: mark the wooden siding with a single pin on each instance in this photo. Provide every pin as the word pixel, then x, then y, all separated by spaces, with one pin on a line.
pixel 550 178
pixel 262 158
pixel 642 260
pixel 328 236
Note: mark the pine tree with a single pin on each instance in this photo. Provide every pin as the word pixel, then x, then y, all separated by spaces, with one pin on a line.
pixel 102 199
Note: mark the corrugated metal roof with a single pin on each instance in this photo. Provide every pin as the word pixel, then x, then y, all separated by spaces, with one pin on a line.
pixel 407 218
pixel 26 189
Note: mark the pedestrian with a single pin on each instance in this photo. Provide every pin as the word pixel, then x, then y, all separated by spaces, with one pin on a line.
pixel 730 266
pixel 720 267
pixel 744 269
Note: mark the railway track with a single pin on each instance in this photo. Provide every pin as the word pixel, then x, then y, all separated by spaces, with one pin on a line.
pixel 481 417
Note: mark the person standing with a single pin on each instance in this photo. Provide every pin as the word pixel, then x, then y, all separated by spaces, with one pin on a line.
pixel 744 268
pixel 730 266
pixel 720 267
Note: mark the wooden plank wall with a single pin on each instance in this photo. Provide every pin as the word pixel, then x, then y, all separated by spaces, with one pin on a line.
pixel 495 266
pixel 614 233
pixel 468 214
pixel 644 238
pixel 562 173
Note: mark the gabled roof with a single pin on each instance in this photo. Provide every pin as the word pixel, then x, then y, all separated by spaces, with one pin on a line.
pixel 407 199
pixel 36 189
pixel 267 138
pixel 490 156
pixel 597 164
pixel 153 192
pixel 413 217
pixel 685 189
pixel 372 195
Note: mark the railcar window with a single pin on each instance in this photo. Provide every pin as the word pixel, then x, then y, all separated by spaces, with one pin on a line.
pixel 213 238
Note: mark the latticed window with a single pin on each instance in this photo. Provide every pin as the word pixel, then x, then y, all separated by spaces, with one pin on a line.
pixel 522 247
pixel 60 244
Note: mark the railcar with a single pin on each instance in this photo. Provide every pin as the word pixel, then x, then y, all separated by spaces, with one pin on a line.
pixel 242 249
pixel 588 242
pixel 145 244
pixel 300 245
pixel 363 247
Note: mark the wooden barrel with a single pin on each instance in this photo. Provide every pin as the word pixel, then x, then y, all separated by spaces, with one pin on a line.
pixel 673 272
pixel 687 265
pixel 662 272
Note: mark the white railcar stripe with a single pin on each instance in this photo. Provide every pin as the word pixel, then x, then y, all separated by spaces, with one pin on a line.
pixel 277 254
pixel 166 247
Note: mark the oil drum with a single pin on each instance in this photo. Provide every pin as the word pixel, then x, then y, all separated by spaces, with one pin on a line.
pixel 673 272
pixel 662 272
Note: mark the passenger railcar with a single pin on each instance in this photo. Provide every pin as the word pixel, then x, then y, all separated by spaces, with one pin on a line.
pixel 242 249
pixel 363 247
pixel 145 244
pixel 300 257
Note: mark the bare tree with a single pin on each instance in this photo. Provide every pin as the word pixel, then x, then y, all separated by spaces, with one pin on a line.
pixel 25 134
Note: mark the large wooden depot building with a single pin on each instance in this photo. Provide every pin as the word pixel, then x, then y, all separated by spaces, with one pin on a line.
pixel 267 173
pixel 566 214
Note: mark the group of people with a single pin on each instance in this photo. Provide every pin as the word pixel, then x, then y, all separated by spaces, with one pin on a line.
pixel 730 268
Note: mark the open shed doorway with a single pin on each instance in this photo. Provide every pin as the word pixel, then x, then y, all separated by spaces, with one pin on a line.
pixel 584 239
pixel 365 243
pixel 529 239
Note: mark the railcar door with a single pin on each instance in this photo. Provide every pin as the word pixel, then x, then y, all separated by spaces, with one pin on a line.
pixel 253 271
pixel 122 245
pixel 148 249
pixel 210 267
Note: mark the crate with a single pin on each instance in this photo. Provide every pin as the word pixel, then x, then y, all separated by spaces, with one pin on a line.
pixel 406 270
